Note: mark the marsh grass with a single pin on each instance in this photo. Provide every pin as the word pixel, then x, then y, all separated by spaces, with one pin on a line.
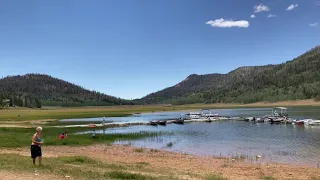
pixel 139 150
pixel 21 137
pixel 83 112
pixel 268 178
pixel 215 177
pixel 77 167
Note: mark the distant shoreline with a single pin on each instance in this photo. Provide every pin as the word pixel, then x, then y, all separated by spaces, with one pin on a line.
pixel 56 113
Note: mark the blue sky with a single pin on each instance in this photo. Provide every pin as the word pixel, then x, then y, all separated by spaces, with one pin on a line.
pixel 129 48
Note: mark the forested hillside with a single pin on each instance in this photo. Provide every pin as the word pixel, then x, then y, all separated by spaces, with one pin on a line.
pixel 32 90
pixel 296 79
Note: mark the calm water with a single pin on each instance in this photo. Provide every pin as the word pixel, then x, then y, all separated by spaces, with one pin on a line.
pixel 278 143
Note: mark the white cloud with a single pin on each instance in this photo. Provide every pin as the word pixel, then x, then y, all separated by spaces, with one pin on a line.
pixel 253 16
pixel 313 24
pixel 222 23
pixel 292 6
pixel 272 16
pixel 261 8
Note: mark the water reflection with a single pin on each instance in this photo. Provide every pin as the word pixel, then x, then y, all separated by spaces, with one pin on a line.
pixel 279 143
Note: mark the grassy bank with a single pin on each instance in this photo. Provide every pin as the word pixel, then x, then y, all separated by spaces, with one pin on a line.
pixel 15 114
pixel 77 167
pixel 82 167
pixel 21 137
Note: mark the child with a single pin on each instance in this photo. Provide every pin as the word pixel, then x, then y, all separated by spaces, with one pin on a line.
pixel 94 134
pixel 63 135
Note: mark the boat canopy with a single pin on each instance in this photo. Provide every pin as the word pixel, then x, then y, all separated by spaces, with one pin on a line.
pixel 279 111
pixel 194 113
pixel 282 108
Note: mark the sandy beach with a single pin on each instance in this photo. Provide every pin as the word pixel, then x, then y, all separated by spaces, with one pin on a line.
pixel 181 166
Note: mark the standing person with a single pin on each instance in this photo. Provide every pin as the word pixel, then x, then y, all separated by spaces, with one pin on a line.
pixel 94 134
pixel 103 121
pixel 36 146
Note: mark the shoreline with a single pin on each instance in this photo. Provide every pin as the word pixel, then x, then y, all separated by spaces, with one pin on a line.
pixel 179 164
pixel 57 113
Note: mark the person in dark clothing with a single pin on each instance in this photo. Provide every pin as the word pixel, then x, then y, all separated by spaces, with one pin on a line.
pixel 35 147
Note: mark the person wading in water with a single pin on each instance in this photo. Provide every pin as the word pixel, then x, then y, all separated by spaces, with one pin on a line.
pixel 36 146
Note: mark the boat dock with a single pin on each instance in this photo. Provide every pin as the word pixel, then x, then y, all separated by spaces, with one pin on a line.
pixel 125 124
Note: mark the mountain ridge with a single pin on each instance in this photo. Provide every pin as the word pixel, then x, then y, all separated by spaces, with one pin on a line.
pixel 290 80
pixel 216 87
pixel 53 91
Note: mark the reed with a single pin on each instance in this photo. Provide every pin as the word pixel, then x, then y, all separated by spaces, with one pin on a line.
pixel 21 137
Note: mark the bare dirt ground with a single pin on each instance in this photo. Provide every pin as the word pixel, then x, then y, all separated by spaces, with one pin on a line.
pixel 181 164
pixel 5 175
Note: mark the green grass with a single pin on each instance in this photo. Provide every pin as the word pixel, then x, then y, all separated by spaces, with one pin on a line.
pixel 215 177
pixel 83 112
pixel 268 178
pixel 125 175
pixel 77 167
pixel 139 150
pixel 21 137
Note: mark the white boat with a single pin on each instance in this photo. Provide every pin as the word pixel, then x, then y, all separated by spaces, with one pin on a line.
pixel 259 120
pixel 277 112
pixel 194 115
pixel 204 115
pixel 312 122
pixel 249 119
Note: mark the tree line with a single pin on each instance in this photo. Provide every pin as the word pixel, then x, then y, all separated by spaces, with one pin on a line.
pixel 19 101
pixel 292 80
pixel 55 92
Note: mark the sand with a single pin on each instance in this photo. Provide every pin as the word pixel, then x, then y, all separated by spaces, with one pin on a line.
pixel 181 164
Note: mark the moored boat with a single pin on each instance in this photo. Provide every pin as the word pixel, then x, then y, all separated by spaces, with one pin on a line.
pixel 208 120
pixel 249 119
pixel 300 122
pixel 153 123
pixel 312 122
pixel 162 123
pixel 179 121
pixel 259 120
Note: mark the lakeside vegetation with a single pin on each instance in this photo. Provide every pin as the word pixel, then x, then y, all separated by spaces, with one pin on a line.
pixel 56 113
pixel 21 137
pixel 82 167
pixel 79 167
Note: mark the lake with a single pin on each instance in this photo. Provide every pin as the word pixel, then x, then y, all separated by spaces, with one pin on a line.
pixel 284 143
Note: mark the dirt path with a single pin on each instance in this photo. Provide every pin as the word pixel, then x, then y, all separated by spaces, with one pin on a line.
pixel 25 124
pixel 5 175
pixel 180 163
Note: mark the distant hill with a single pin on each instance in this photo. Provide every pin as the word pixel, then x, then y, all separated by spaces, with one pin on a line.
pixel 296 79
pixel 30 88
